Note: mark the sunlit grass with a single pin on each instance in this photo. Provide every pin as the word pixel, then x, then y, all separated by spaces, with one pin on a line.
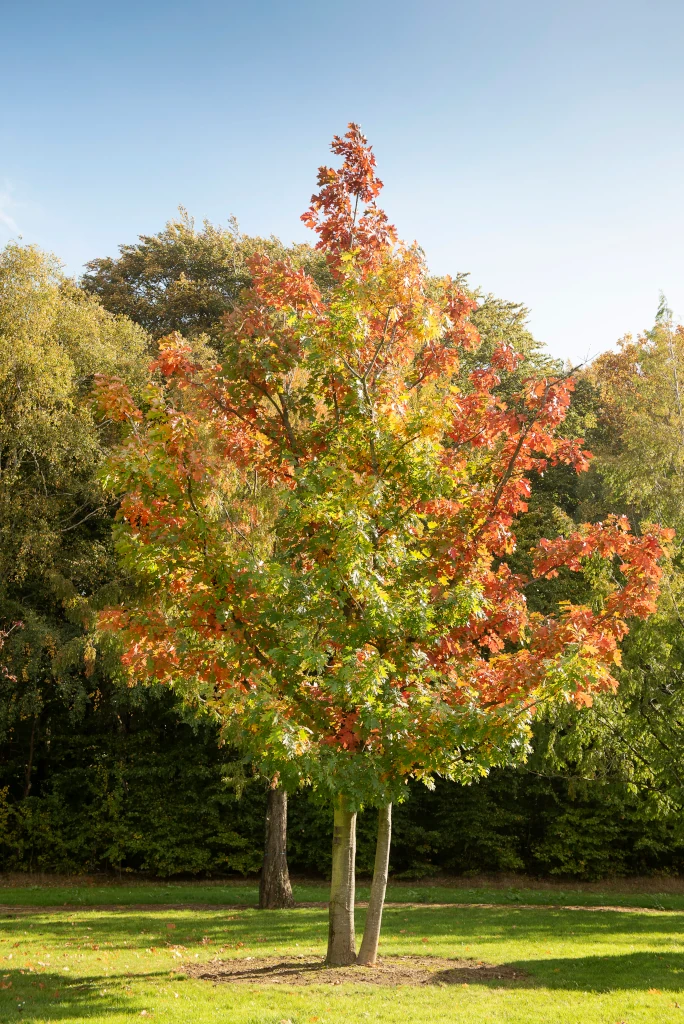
pixel 582 967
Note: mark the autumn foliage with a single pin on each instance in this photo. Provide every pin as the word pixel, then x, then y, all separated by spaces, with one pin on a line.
pixel 319 527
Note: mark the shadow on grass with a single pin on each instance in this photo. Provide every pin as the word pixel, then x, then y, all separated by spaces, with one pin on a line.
pixel 70 898
pixel 135 929
pixel 51 996
pixel 624 972
pixel 130 930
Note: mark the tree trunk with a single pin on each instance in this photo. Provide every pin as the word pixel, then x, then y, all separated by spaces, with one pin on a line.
pixel 341 937
pixel 368 953
pixel 29 764
pixel 275 891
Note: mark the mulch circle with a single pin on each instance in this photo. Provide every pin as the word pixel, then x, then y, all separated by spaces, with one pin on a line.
pixel 312 970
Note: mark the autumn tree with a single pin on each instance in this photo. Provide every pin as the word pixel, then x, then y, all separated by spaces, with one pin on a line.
pixel 319 526
pixel 186 279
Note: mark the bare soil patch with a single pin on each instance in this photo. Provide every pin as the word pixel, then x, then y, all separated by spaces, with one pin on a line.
pixel 312 970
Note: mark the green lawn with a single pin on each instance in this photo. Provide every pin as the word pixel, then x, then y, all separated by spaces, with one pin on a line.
pixel 582 967
pixel 93 893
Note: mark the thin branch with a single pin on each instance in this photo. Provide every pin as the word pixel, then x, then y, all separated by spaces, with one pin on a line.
pixel 380 344
pixel 95 512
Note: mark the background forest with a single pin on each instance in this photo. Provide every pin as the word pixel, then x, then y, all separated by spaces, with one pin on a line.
pixel 96 775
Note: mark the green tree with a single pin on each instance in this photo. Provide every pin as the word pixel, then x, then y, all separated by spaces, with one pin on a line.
pixel 631 741
pixel 186 280
pixel 55 519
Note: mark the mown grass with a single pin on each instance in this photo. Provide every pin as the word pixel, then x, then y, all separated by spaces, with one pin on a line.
pixel 97 966
pixel 95 893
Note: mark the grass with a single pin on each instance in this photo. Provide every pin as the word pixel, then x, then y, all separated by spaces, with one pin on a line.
pixel 97 966
pixel 664 894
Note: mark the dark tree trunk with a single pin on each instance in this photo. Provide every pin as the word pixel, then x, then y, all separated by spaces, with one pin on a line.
pixel 341 936
pixel 368 953
pixel 29 764
pixel 275 891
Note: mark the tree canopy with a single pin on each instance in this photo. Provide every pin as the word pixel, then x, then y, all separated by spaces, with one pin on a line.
pixel 55 519
pixel 184 279
pixel 320 523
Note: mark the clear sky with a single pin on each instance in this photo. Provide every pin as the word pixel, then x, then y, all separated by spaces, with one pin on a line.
pixel 537 145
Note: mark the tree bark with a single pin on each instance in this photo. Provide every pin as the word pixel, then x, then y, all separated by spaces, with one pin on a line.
pixel 275 891
pixel 341 936
pixel 368 953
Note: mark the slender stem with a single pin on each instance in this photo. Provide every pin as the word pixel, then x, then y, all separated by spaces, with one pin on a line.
pixel 341 935
pixel 368 953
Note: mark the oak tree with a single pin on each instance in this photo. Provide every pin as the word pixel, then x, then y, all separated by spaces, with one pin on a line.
pixel 320 524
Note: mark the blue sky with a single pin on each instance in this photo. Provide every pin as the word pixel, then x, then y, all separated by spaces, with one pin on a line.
pixel 537 145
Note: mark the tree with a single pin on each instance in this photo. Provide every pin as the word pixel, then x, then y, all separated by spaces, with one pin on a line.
pixel 55 520
pixel 187 280
pixel 319 528
pixel 184 279
pixel 637 428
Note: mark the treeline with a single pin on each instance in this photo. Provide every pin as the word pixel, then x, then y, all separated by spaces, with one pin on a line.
pixel 98 774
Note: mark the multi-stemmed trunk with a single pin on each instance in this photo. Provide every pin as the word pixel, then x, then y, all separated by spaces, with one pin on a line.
pixel 341 931
pixel 368 953
pixel 275 891
pixel 341 936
